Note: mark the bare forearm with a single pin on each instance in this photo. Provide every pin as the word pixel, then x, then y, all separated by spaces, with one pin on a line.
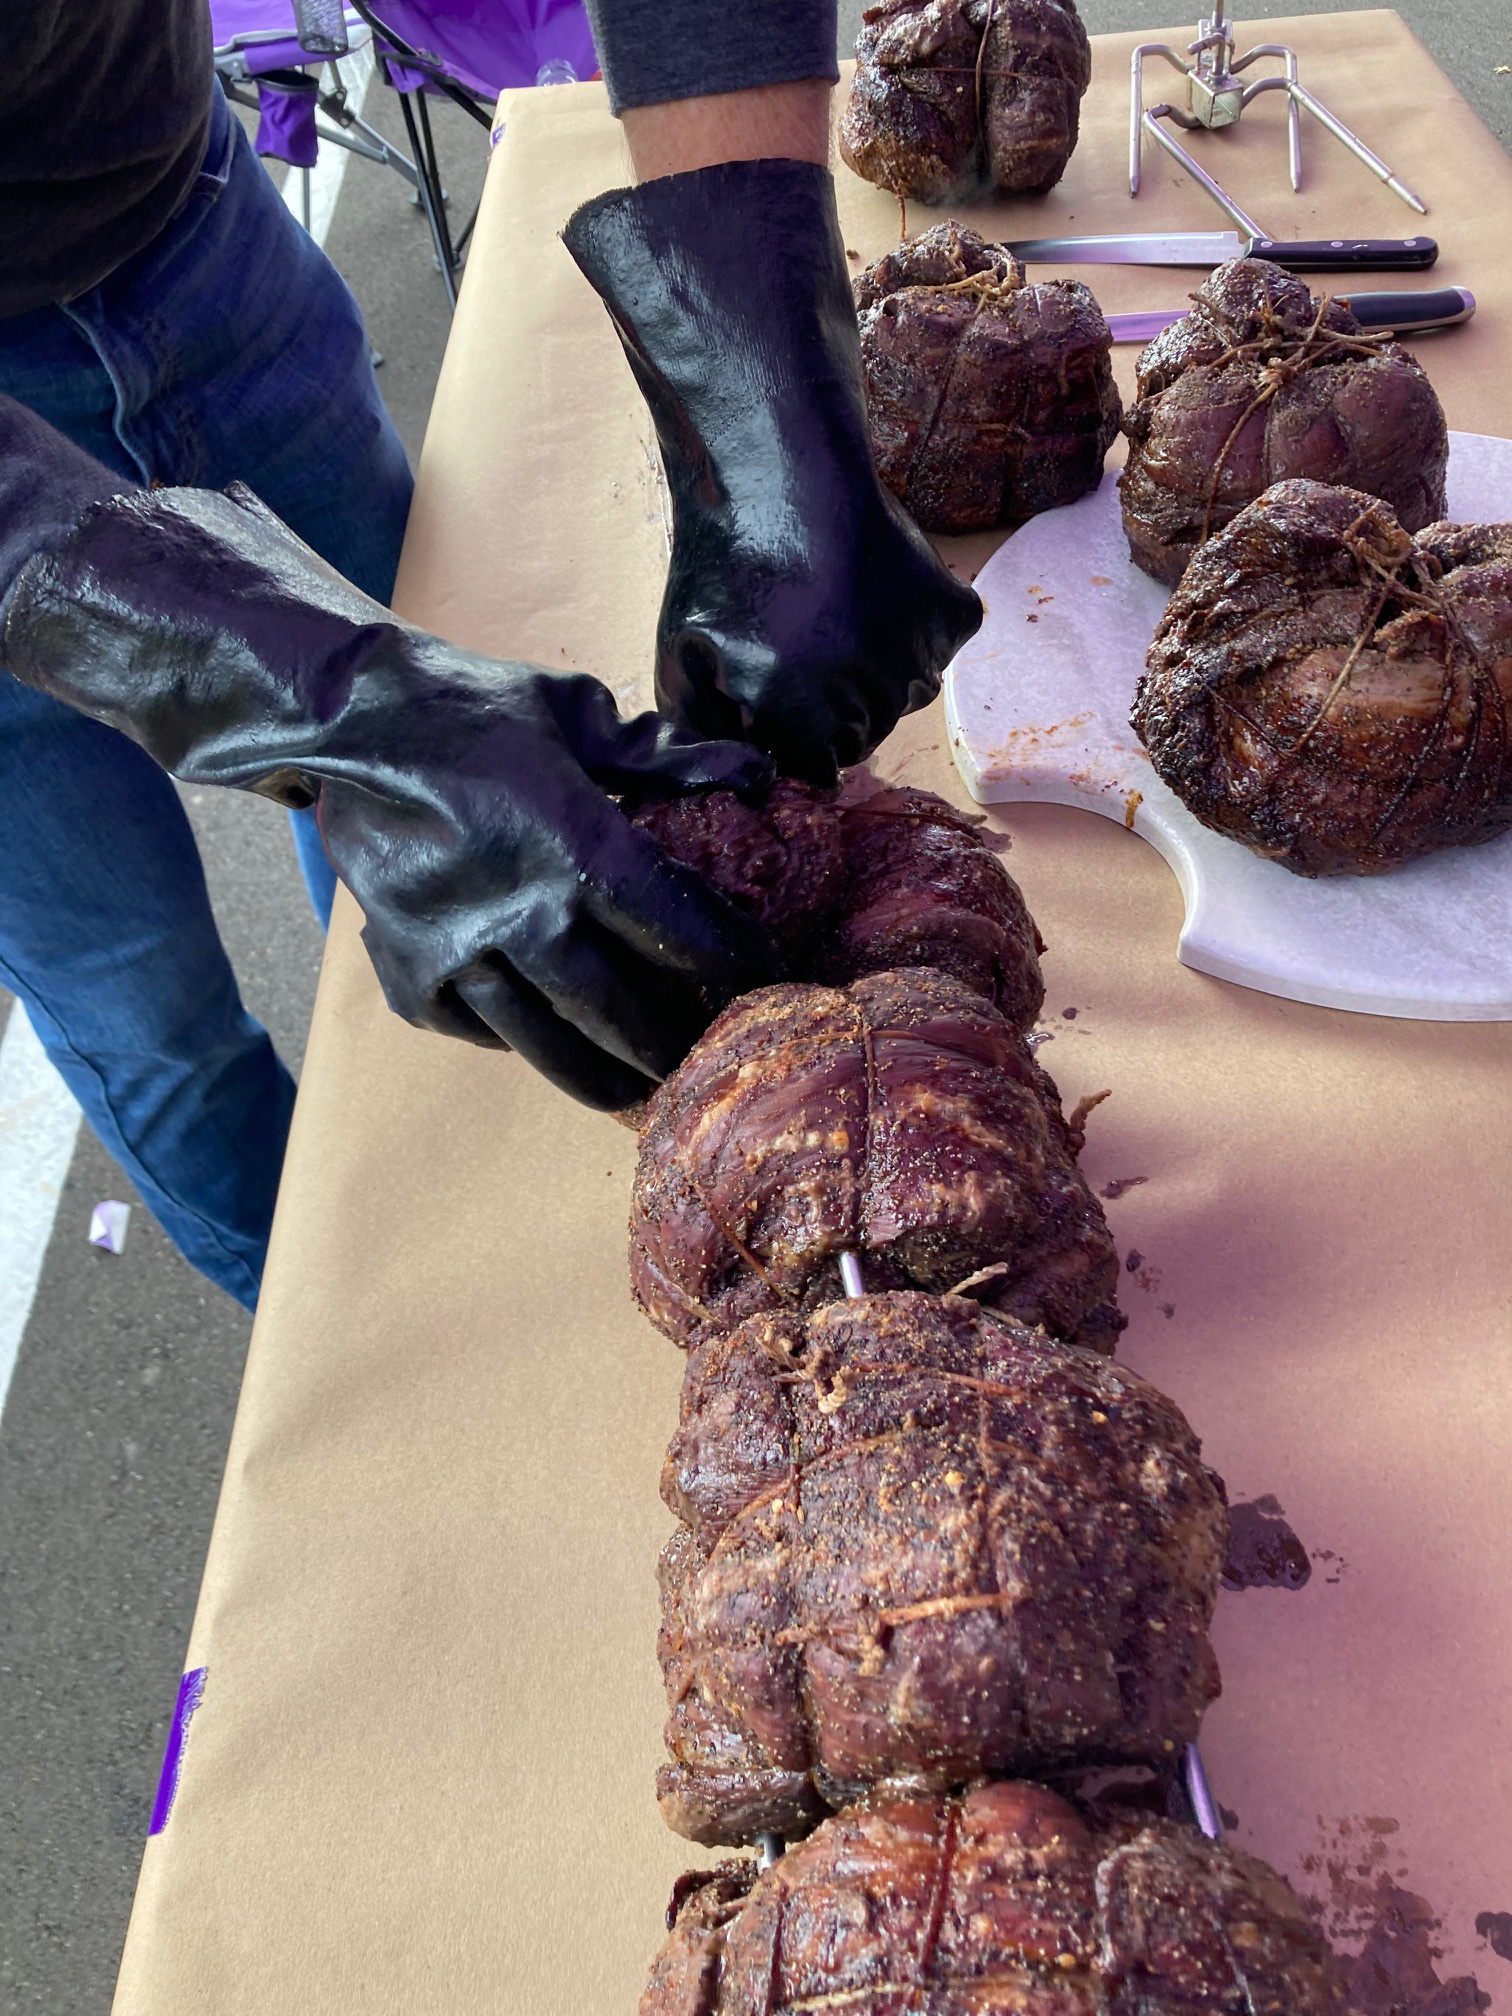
pixel 775 122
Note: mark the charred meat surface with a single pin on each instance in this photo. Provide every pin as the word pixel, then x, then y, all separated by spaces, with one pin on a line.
pixel 951 96
pixel 853 886
pixel 912 123
pixel 924 1543
pixel 1259 383
pixel 901 1118
pixel 1334 692
pixel 923 888
pixel 989 398
pixel 704 1903
pixel 1007 1900
pixel 782 860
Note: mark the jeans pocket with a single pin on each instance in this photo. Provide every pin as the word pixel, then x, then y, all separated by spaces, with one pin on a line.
pixel 220 148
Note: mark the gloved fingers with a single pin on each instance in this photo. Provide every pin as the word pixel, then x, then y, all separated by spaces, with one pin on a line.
pixel 492 1004
pixel 688 694
pixel 938 638
pixel 652 754
pixel 647 753
pixel 668 916
pixel 606 947
pixel 437 953
pixel 633 1008
pixel 525 1020
pixel 580 999
pixel 932 609
pixel 813 717
pixel 605 989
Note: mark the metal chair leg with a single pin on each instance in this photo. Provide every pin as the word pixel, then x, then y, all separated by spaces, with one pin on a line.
pixel 360 138
pixel 465 234
pixel 431 197
pixel 433 164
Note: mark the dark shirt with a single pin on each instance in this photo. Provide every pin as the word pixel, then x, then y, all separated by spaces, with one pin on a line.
pixel 104 114
pixel 105 108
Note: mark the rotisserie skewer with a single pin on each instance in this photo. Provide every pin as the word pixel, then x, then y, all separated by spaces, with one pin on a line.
pixel 772 1845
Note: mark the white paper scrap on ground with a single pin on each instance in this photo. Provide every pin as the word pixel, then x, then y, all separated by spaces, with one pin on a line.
pixel 107 1225
pixel 39 1124
pixel 1037 708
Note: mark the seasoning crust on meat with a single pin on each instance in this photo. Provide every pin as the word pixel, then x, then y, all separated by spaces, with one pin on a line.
pixel 851 885
pixel 1006 1900
pixel 922 1542
pixel 1259 383
pixel 924 889
pixel 1333 692
pixel 782 859
pixel 988 398
pixel 901 1118
pixel 951 96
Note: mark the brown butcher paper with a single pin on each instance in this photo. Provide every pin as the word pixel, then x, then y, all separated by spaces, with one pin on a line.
pixel 420 1778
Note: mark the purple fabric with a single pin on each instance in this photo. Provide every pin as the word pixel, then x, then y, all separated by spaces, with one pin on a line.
pixel 241 23
pixel 489 46
pixel 286 125
pixel 191 1692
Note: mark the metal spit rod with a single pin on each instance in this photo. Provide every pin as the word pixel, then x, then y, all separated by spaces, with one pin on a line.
pixel 1217 95
pixel 1194 1777
pixel 1200 1796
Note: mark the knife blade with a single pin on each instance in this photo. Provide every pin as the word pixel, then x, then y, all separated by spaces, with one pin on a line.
pixel 1405 314
pixel 1211 248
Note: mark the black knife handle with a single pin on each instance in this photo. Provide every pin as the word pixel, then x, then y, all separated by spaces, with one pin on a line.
pixel 1433 308
pixel 1339 255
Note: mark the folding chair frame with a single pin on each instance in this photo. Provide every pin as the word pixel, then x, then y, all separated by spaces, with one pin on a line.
pixel 390 48
pixel 344 128
pixel 340 125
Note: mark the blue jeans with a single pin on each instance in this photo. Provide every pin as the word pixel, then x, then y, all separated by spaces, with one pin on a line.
pixel 229 348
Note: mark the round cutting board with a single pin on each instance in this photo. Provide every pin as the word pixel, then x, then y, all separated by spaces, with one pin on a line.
pixel 1037 706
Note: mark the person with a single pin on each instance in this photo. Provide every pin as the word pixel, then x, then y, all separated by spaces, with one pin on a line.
pixel 467 803
pixel 161 309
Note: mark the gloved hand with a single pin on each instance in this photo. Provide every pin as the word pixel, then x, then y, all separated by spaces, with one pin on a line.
pixel 508 900
pixel 804 609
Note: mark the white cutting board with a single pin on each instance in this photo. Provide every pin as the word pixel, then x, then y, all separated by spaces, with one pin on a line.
pixel 1037 706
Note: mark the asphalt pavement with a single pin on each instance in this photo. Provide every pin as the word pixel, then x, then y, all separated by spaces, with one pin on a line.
pixel 115 1428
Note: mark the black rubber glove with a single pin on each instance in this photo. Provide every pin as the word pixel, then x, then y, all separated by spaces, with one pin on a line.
pixel 46 485
pixel 804 609
pixel 508 899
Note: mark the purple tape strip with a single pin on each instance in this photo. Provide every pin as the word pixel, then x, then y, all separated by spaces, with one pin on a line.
pixel 191 1693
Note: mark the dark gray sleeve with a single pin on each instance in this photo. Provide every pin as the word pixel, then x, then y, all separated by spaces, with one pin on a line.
pixel 652 51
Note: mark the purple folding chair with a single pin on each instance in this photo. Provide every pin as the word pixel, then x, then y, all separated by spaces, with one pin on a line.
pixel 468 51
pixel 264 59
pixel 465 50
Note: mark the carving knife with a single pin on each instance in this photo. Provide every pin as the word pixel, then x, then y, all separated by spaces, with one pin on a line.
pixel 1404 314
pixel 1211 248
